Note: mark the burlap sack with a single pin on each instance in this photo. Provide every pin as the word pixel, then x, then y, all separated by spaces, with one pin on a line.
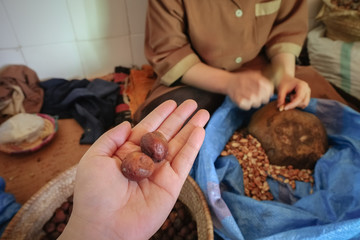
pixel 341 24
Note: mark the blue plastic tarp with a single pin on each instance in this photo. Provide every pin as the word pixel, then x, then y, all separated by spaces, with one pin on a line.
pixel 332 211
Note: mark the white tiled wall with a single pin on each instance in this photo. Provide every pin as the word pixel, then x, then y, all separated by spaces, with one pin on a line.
pixel 72 39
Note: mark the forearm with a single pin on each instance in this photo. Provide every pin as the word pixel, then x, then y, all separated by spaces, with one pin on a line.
pixel 287 61
pixel 208 78
pixel 217 80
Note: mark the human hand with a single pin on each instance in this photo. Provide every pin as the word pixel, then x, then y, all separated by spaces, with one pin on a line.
pixel 249 89
pixel 109 206
pixel 299 91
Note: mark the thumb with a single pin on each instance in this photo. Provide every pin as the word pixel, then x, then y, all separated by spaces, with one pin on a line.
pixel 111 140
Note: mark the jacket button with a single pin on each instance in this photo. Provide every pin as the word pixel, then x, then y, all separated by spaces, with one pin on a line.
pixel 238 60
pixel 239 13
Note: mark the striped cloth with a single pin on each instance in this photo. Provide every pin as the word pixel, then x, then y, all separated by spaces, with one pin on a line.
pixel 337 61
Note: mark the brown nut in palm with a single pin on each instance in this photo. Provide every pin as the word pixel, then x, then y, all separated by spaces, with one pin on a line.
pixel 155 145
pixel 137 166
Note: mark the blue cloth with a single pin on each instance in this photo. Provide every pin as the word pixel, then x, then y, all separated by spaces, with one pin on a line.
pixel 91 103
pixel 331 212
pixel 8 206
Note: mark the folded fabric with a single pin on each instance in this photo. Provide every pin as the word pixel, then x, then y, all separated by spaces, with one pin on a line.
pixel 20 85
pixel 139 85
pixel 122 110
pixel 91 103
pixel 14 105
pixel 331 212
pixel 8 206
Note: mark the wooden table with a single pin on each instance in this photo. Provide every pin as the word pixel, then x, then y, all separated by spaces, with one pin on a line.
pixel 25 174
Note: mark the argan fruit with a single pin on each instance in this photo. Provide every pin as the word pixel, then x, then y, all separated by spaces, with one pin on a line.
pixel 155 145
pixel 137 166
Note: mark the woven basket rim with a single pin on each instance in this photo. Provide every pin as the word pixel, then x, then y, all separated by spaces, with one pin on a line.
pixel 17 221
pixel 17 218
pixel 205 207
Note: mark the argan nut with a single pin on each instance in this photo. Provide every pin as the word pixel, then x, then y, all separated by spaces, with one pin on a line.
pixel 49 227
pixel 183 231
pixel 65 206
pixel 166 224
pixel 137 166
pixel 171 232
pixel 60 227
pixel 54 235
pixel 59 216
pixel 155 145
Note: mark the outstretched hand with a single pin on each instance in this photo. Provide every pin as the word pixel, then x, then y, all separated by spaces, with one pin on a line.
pixel 109 206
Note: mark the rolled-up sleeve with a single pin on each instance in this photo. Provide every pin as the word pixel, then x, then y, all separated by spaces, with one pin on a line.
pixel 167 47
pixel 290 29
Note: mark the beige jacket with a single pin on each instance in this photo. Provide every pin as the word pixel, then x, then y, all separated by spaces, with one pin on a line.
pixel 223 34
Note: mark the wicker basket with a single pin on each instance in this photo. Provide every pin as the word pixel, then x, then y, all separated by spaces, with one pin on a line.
pixel 341 24
pixel 192 196
pixel 29 220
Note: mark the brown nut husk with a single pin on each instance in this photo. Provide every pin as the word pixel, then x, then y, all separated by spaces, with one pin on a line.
pixel 155 145
pixel 293 137
pixel 137 166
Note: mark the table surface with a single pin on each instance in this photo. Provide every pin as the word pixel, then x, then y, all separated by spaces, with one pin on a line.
pixel 25 174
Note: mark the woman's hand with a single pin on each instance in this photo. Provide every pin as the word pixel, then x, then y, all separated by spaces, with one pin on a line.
pixel 249 89
pixel 109 206
pixel 298 91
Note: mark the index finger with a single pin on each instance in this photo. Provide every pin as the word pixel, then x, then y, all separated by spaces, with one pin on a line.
pixel 186 144
pixel 176 120
pixel 294 103
pixel 152 121
pixel 300 102
pixel 282 92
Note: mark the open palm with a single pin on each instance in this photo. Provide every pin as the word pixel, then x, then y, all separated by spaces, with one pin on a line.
pixel 109 206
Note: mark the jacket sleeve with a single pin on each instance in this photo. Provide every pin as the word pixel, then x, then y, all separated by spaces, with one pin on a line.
pixel 290 29
pixel 167 47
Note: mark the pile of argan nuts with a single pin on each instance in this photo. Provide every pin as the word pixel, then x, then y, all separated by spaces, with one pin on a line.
pixel 257 168
pixel 178 225
pixel 56 224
